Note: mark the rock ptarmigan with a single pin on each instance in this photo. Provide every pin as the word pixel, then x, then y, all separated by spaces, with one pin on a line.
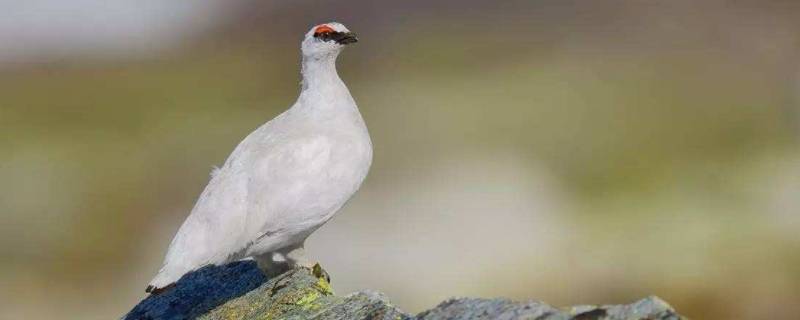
pixel 285 179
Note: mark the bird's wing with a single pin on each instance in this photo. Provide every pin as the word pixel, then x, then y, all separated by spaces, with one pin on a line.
pixel 284 188
pixel 264 192
pixel 210 232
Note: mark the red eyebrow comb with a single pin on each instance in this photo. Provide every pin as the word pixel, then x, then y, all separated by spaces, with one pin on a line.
pixel 323 28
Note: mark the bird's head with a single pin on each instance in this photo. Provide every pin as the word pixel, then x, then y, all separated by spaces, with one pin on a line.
pixel 327 40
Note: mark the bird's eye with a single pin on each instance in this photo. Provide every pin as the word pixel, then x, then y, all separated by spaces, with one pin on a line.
pixel 322 30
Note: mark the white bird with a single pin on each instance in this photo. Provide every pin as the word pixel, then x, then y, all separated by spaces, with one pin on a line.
pixel 285 179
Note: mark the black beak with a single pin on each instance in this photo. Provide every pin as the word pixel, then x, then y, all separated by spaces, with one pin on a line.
pixel 344 38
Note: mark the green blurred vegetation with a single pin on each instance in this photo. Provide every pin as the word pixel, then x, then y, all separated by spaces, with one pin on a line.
pixel 680 165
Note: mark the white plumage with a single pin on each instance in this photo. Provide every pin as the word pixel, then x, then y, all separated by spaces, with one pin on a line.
pixel 285 179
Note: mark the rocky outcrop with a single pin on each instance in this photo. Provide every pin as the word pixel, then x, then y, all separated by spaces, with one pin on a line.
pixel 240 291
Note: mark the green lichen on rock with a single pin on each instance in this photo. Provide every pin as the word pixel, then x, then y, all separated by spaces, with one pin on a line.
pixel 299 294
pixel 306 294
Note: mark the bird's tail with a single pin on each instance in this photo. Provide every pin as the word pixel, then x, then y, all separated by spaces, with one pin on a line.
pixel 163 281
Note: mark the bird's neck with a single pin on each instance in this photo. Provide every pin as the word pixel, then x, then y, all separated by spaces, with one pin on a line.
pixel 319 73
pixel 322 89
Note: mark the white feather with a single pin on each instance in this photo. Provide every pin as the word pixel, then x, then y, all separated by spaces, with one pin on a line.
pixel 284 180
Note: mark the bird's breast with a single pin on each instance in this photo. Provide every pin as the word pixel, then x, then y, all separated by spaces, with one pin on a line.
pixel 309 178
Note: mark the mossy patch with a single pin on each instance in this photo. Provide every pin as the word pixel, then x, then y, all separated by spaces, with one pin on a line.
pixel 325 286
pixel 307 301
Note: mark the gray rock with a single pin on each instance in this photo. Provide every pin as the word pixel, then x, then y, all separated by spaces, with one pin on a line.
pixel 651 308
pixel 240 291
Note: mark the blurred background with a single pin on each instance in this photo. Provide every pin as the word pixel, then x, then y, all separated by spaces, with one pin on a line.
pixel 565 151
